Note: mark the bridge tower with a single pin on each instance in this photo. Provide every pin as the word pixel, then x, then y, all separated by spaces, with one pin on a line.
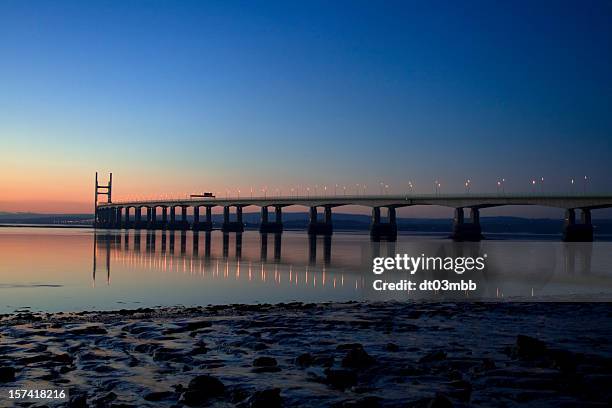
pixel 105 190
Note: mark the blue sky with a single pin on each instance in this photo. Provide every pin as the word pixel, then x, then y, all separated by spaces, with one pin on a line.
pixel 182 96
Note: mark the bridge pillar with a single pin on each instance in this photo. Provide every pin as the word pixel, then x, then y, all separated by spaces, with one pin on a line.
pixel 232 226
pixel 574 232
pixel 463 231
pixel 149 217
pixel 383 230
pixel 267 226
pixel 184 223
pixel 153 223
pixel 205 225
pixel 172 224
pixel 126 223
pixel 239 214
pixel 164 218
pixel 138 217
pixel 320 228
pixel 118 213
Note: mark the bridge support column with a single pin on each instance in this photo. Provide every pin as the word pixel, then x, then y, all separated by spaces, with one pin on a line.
pixel 153 223
pixel 463 231
pixel 164 218
pixel 118 213
pixel 232 226
pixel 126 223
pixel 184 223
pixel 149 217
pixel 138 218
pixel 574 232
pixel 206 225
pixel 274 227
pixel 383 230
pixel 320 228
pixel 172 224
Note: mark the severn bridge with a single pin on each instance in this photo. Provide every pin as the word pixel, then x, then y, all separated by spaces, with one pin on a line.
pixel 129 214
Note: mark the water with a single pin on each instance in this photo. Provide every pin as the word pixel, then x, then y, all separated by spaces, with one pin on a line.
pixel 53 269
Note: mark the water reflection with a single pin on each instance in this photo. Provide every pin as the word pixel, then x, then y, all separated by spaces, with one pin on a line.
pixel 513 268
pixel 52 269
pixel 204 259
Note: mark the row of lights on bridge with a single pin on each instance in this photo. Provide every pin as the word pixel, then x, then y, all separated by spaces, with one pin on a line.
pixel 361 189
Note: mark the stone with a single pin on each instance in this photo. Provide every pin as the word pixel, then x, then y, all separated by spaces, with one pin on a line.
pixel 357 358
pixel 158 395
pixel 265 362
pixel 269 398
pixel 304 360
pixel 7 374
pixel 433 356
pixel 529 347
pixel 340 378
pixel 202 388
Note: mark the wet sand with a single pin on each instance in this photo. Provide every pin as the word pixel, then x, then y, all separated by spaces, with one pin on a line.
pixel 333 354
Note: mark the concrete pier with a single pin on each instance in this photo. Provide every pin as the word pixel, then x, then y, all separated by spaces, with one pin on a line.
pixel 164 222
pixel 316 227
pixel 232 226
pixel 578 232
pixel 205 225
pixel 271 227
pixel 138 224
pixel 383 230
pixel 463 231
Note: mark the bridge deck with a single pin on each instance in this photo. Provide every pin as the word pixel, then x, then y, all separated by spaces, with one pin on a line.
pixel 456 201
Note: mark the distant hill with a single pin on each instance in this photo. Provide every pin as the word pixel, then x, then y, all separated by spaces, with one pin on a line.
pixel 342 221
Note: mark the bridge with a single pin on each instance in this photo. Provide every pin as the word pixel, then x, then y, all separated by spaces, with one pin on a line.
pixel 111 214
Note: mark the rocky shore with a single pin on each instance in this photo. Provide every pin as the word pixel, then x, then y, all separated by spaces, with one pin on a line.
pixel 320 355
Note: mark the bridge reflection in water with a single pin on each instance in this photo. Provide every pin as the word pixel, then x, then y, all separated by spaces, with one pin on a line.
pixel 301 261
pixel 194 253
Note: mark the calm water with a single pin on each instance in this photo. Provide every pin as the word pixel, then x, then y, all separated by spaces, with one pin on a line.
pixel 52 269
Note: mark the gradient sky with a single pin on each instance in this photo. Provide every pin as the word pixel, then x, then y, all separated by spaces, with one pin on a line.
pixel 179 96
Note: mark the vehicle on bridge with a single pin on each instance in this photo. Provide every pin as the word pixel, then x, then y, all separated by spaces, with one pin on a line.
pixel 203 195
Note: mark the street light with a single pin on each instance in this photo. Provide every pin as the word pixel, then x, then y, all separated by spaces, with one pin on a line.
pixel 586 180
pixel 467 186
pixel 382 185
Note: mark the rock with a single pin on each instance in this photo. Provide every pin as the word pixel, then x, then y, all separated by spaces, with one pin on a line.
pixel 269 398
pixel 202 388
pixel 198 324
pixel 7 374
pixel 62 358
pixel 357 358
pixel 433 356
pixel 78 401
pixel 304 360
pixel 440 401
pixel 158 395
pixel 529 347
pixel 349 346
pixel 392 347
pixel 340 378
pixel 265 362
pixel 88 330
